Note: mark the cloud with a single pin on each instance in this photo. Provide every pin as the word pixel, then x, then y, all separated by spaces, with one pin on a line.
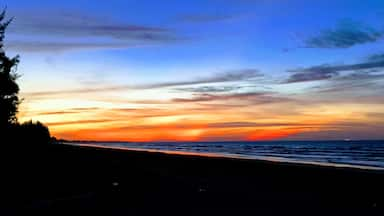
pixel 210 89
pixel 68 111
pixel 342 130
pixel 376 115
pixel 376 57
pixel 75 24
pixel 213 97
pixel 251 97
pixel 38 46
pixel 216 125
pixel 229 76
pixel 56 113
pixel 346 34
pixel 321 72
pixel 90 121
pixel 61 26
pixel 249 124
pixel 324 72
pixel 360 81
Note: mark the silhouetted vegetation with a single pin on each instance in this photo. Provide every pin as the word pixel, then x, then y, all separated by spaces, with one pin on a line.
pixel 11 130
pixel 9 89
pixel 35 131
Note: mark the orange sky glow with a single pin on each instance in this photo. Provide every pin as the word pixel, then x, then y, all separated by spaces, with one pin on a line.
pixel 166 120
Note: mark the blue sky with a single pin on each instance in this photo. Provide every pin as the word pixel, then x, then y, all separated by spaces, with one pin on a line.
pixel 323 53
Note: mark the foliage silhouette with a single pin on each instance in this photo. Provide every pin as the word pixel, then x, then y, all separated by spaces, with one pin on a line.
pixel 9 89
pixel 34 131
pixel 10 129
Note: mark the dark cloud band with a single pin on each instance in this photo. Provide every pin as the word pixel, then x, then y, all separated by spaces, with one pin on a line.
pixel 345 34
pixel 324 72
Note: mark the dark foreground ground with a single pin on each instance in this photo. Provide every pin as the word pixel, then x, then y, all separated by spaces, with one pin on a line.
pixel 69 180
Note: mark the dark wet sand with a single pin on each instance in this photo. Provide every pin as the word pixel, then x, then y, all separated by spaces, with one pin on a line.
pixel 68 180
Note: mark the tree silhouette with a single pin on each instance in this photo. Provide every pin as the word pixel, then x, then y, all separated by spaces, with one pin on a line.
pixel 9 89
pixel 10 129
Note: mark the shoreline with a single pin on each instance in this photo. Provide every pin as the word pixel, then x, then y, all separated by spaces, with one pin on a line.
pixel 233 156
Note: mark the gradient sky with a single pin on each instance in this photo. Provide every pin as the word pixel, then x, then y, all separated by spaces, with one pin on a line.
pixel 201 70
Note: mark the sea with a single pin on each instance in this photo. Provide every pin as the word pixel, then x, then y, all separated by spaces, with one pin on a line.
pixel 362 154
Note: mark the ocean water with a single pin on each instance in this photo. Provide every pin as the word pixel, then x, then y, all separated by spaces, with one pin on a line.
pixel 360 154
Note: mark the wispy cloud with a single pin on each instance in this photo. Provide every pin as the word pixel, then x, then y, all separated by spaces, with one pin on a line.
pixel 228 76
pixel 345 34
pixel 38 46
pixel 342 130
pixel 250 124
pixel 68 111
pixel 323 72
pixel 315 73
pixel 359 81
pixel 213 97
pixel 76 26
pixel 250 97
pixel 56 113
pixel 210 89
pixel 376 115
pixel 218 125
pixel 376 57
pixel 89 121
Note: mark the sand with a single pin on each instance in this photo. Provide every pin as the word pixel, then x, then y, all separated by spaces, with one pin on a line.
pixel 62 180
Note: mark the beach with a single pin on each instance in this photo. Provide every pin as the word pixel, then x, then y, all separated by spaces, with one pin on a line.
pixel 62 179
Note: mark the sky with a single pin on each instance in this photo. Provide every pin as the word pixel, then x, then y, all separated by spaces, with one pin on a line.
pixel 202 70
